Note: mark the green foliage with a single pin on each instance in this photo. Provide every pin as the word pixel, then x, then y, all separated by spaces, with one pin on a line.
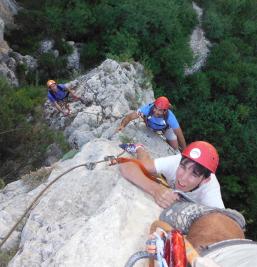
pixel 157 30
pixel 2 184
pixel 34 178
pixel 123 44
pixel 222 101
pixel 6 256
pixel 124 139
pixel 89 54
pixel 70 154
pixel 78 19
pixel 50 66
pixel 250 205
pixel 63 47
pixel 217 104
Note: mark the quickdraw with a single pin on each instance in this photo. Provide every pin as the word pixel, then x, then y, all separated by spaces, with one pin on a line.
pixel 173 252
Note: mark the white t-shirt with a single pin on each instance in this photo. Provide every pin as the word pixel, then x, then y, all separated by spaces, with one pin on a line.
pixel 207 194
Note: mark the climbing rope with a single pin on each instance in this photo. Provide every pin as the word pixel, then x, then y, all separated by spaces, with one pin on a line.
pixel 88 165
pixel 138 256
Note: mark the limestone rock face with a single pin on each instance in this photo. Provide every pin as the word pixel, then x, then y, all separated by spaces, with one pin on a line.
pixel 8 8
pixel 90 216
pixel 10 60
pixel 84 211
pixel 112 90
pixel 199 44
pixel 73 60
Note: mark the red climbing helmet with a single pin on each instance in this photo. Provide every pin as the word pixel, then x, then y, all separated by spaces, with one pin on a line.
pixel 162 102
pixel 50 82
pixel 203 153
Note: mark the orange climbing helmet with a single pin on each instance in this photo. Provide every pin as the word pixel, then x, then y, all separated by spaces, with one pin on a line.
pixel 50 82
pixel 162 102
pixel 204 154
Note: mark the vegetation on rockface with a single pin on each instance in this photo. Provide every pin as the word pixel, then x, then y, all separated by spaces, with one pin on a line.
pixel 222 101
pixel 24 135
pixel 217 104
pixel 7 255
pixel 154 32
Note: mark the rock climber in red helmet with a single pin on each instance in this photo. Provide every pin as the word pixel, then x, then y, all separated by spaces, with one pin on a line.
pixel 192 172
pixel 159 118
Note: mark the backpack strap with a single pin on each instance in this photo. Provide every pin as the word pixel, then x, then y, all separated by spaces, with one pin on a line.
pixel 150 114
pixel 52 94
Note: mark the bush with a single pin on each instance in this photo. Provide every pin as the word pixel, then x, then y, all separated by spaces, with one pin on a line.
pixel 50 66
pixel 89 54
pixel 6 256
pixel 2 184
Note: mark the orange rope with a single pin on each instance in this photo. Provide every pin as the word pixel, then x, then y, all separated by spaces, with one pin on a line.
pixel 137 162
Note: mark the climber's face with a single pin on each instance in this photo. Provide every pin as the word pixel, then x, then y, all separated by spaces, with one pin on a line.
pixel 157 112
pixel 53 87
pixel 187 177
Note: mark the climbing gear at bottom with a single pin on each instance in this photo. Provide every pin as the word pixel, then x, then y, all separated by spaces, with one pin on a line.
pixel 170 250
pixel 88 165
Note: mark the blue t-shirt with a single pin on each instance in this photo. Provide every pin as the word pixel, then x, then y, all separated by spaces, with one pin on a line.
pixel 158 123
pixel 59 95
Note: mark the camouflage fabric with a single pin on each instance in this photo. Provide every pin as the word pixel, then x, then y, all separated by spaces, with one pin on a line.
pixel 182 214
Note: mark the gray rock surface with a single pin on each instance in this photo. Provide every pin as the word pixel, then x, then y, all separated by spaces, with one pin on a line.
pixel 74 58
pixel 199 44
pixel 9 60
pixel 8 8
pixel 87 210
pixel 82 210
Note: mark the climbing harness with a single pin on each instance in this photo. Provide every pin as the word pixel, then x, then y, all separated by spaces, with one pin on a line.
pixel 88 165
pixel 160 245
pixel 170 250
